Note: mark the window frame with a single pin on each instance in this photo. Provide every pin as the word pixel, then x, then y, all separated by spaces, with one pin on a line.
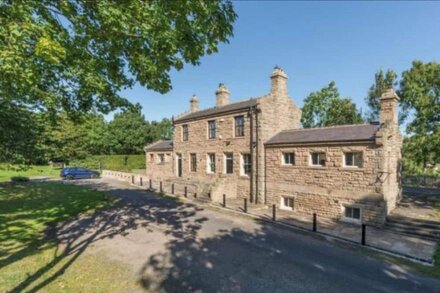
pixel 354 160
pixel 244 166
pixel 318 158
pixel 287 207
pixel 212 131
pixel 161 157
pixel 283 158
pixel 210 166
pixel 185 132
pixel 239 128
pixel 351 217
pixel 193 162
pixel 231 160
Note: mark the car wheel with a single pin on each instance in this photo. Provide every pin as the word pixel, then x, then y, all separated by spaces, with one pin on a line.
pixel 93 176
pixel 70 177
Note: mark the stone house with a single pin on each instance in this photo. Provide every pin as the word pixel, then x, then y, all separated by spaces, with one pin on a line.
pixel 256 149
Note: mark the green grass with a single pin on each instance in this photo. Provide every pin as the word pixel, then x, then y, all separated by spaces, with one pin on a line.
pixel 7 171
pixel 30 260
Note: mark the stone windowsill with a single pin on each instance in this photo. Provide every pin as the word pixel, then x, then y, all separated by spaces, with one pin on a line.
pixel 318 167
pixel 351 169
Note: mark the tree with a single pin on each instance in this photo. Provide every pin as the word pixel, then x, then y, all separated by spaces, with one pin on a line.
pixel 420 100
pixel 77 55
pixel 327 108
pixel 130 131
pixel 382 81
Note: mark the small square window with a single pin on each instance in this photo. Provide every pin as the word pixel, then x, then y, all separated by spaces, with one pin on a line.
pixel 161 158
pixel 352 213
pixel 353 159
pixel 288 158
pixel 151 157
pixel 317 159
pixel 287 203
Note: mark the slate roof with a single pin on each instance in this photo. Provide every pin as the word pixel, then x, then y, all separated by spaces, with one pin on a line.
pixel 217 110
pixel 363 132
pixel 161 145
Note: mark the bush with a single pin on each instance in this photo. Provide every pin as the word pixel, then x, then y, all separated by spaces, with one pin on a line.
pixel 19 179
pixel 112 162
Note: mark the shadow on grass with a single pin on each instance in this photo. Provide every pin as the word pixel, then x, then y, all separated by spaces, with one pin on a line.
pixel 74 236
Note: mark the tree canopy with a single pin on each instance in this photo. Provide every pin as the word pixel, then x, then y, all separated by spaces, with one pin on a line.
pixel 77 55
pixel 382 81
pixel 420 99
pixel 326 108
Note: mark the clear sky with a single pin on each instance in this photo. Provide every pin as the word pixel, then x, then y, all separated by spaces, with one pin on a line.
pixel 314 42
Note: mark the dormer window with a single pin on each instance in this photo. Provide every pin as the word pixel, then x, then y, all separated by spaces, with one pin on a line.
pixel 212 129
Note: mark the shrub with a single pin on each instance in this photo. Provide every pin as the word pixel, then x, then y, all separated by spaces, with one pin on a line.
pixel 112 162
pixel 19 179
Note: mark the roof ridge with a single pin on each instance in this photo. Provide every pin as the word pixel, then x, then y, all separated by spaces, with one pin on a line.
pixel 327 127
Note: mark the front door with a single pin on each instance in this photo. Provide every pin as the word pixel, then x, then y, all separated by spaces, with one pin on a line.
pixel 179 165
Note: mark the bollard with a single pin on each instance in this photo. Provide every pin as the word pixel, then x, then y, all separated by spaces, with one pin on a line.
pixel 161 186
pixel 209 195
pixel 172 188
pixel 245 205
pixel 151 184
pixel 274 212
pixel 141 181
pixel 195 194
pixel 224 200
pixel 364 228
pixel 314 222
pixel 186 191
pixel 132 179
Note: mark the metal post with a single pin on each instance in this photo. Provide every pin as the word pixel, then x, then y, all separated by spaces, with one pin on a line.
pixel 151 184
pixel 274 212
pixel 209 195
pixel 141 181
pixel 224 200
pixel 186 191
pixel 161 186
pixel 132 179
pixel 245 205
pixel 314 222
pixel 195 194
pixel 172 188
pixel 364 228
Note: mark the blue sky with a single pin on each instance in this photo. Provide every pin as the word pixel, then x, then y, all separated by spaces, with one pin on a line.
pixel 314 42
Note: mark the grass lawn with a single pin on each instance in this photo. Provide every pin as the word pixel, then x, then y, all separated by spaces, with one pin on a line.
pixel 7 171
pixel 30 261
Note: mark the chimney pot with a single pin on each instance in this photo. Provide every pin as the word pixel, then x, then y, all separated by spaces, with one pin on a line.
pixel 279 82
pixel 194 104
pixel 222 95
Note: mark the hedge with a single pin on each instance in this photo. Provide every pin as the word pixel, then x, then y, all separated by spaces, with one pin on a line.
pixel 111 162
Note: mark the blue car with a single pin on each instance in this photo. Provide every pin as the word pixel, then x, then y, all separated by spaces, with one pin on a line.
pixel 78 173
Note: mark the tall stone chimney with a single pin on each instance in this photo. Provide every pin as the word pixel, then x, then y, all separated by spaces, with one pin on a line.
pixel 279 82
pixel 194 104
pixel 222 95
pixel 388 107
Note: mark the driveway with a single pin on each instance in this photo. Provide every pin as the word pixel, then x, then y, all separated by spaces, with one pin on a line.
pixel 181 247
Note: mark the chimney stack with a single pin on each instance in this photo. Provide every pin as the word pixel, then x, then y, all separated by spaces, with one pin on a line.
pixel 194 104
pixel 279 82
pixel 388 107
pixel 222 95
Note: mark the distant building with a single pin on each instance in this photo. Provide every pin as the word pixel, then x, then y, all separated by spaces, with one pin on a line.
pixel 256 149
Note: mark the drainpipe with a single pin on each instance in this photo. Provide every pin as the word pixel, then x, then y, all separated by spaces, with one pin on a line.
pixel 251 177
pixel 256 158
